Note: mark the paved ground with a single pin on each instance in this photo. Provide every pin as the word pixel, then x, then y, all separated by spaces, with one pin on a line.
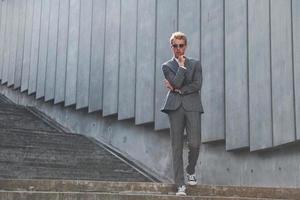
pixel 30 148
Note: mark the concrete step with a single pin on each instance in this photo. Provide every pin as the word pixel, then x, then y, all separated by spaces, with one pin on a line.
pixel 21 195
pixel 137 190
pixel 26 121
pixel 34 138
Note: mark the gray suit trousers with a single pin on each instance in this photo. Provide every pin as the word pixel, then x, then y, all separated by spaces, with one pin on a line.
pixel 181 119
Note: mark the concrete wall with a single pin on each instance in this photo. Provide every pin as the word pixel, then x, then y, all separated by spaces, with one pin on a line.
pixel 104 56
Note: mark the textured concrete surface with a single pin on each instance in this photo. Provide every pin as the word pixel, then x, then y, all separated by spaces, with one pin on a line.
pixel 30 148
pixel 70 186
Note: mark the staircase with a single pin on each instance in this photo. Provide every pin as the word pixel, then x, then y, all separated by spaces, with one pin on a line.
pixel 40 160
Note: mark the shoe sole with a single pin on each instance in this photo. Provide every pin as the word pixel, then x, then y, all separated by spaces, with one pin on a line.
pixel 180 194
pixel 192 183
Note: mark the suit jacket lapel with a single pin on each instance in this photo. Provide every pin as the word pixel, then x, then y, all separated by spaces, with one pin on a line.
pixel 174 65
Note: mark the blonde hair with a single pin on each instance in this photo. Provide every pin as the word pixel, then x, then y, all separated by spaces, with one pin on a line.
pixel 179 36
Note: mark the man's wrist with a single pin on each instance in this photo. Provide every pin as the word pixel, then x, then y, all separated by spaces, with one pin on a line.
pixel 182 66
pixel 178 91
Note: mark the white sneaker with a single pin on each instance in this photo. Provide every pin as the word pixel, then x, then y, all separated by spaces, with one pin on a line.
pixel 181 191
pixel 191 179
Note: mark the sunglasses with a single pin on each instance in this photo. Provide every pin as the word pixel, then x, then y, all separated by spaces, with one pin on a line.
pixel 176 46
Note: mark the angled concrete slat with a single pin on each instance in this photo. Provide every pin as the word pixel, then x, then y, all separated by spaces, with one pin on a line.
pixel 145 67
pixel 97 56
pixel 34 53
pixel 20 45
pixel 43 49
pixel 84 54
pixel 2 34
pixel 282 73
pixel 27 45
pixel 72 57
pixel 7 41
pixel 111 59
pixel 62 45
pixel 52 50
pixel 13 43
pixel 212 60
pixel 236 76
pixel 127 77
pixel 260 103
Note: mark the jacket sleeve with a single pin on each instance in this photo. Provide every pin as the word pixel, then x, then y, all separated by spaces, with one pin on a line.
pixel 196 84
pixel 176 80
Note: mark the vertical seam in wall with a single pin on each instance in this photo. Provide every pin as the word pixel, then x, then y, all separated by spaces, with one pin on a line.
pixel 91 55
pixel 30 44
pixel 38 50
pixel 24 34
pixel 67 50
pixel 248 79
pixel 155 60
pixel 78 54
pixel 136 46
pixel 57 34
pixel 2 38
pixel 119 54
pixel 23 43
pixel 224 66
pixel 4 41
pixel 47 48
pixel 17 44
pixel 177 16
pixel 104 52
pixel 271 78
pixel 17 38
pixel 293 69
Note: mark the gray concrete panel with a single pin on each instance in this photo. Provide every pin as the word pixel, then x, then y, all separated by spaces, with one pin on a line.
pixel 7 41
pixel 236 77
pixel 34 54
pixel 145 69
pixel 43 49
pixel 127 77
pixel 72 56
pixel 2 34
pixel 97 56
pixel 296 45
pixel 212 59
pixel 13 43
pixel 27 45
pixel 62 45
pixel 260 103
pixel 111 59
pixel 189 23
pixel 20 45
pixel 282 73
pixel 84 56
pixel 52 50
pixel 166 25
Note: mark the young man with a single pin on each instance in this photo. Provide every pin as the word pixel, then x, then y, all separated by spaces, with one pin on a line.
pixel 183 78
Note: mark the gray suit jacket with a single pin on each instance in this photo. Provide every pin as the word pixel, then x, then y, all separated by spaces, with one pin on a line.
pixel 188 81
